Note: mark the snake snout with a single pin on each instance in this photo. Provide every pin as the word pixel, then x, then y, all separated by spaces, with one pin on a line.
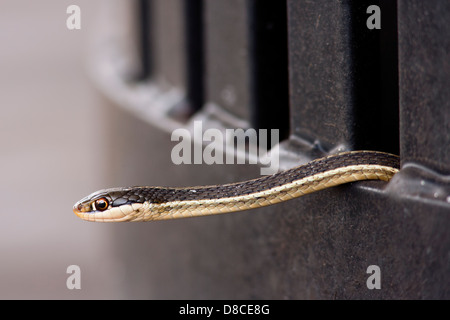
pixel 77 207
pixel 80 208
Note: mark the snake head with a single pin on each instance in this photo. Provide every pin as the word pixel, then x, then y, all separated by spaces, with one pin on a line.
pixel 94 203
pixel 107 205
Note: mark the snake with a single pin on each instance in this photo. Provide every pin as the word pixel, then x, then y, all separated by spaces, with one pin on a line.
pixel 161 203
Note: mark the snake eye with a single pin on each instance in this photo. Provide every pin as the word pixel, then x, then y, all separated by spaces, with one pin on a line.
pixel 101 204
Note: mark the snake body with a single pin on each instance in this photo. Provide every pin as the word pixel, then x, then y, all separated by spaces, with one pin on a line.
pixel 159 203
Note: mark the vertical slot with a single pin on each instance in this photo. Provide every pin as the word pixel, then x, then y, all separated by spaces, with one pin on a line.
pixel 144 39
pixel 193 12
pixel 268 59
pixel 375 77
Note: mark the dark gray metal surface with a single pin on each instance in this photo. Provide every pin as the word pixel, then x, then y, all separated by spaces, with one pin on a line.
pixel 169 44
pixel 342 94
pixel 315 247
pixel 226 47
pixel 424 68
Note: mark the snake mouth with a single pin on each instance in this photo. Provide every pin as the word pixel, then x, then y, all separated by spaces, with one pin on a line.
pixel 83 211
pixel 79 209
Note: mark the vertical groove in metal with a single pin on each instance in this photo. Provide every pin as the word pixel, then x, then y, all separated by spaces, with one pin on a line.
pixel 268 65
pixel 375 77
pixel 145 39
pixel 193 15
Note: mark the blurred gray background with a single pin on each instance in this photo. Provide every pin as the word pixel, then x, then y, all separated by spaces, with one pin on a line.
pixel 52 149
